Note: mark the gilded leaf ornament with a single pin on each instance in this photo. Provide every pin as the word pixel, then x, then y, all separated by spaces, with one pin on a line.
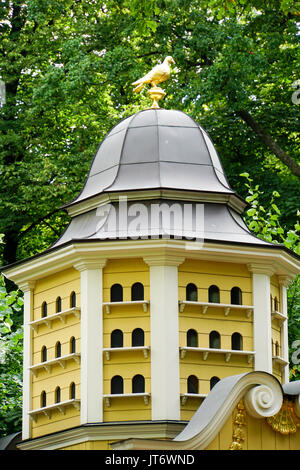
pixel 285 421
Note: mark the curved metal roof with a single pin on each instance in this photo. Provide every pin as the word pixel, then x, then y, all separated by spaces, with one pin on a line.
pixel 156 148
pixel 205 222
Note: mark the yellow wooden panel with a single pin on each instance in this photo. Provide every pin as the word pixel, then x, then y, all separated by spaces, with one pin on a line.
pixel 124 265
pixel 127 339
pixel 204 281
pixel 127 372
pixel 274 280
pixel 226 434
pixel 56 279
pixel 49 384
pixel 126 290
pixel 60 332
pixel 126 279
pixel 50 296
pixel 215 444
pixel 254 433
pixel 124 409
pixel 194 314
pixel 268 437
pixel 57 423
pixel 295 440
pixel 127 369
pixel 206 324
pixel 282 442
pixel 213 267
pixel 127 322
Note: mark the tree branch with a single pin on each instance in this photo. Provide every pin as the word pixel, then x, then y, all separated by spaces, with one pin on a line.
pixel 268 140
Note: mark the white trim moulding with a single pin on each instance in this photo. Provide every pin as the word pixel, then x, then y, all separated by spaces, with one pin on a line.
pixel 49 319
pixel 109 396
pixel 227 352
pixel 279 316
pixel 61 406
pixel 108 305
pixel 226 307
pixel 57 360
pixel 280 361
pixel 144 349
pixel 185 396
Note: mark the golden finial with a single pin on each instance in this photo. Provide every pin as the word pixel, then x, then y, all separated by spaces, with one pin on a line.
pixel 160 73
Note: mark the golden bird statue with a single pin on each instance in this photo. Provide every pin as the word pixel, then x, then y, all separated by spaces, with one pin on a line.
pixel 160 73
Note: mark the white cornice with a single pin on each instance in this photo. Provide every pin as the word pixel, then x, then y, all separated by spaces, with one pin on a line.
pixel 80 254
pixel 85 264
pixel 231 199
pixel 110 432
pixel 262 268
pixel 166 259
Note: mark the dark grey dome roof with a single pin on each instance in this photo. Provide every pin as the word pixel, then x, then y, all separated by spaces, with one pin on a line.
pixel 156 148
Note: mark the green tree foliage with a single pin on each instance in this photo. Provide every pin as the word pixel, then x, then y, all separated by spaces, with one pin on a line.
pixel 68 66
pixel 266 225
pixel 11 349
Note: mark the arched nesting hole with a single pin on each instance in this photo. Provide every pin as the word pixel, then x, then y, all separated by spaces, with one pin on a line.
pixel 236 341
pixel 214 340
pixel 192 384
pixel 57 395
pixel 214 294
pixel 138 384
pixel 236 296
pixel 58 349
pixel 191 293
pixel 44 309
pixel 72 345
pixel 73 300
pixel 192 338
pixel 72 391
pixel 116 385
pixel 137 291
pixel 44 354
pixel 116 339
pixel 116 293
pixel 43 399
pixel 138 337
pixel 213 381
pixel 58 304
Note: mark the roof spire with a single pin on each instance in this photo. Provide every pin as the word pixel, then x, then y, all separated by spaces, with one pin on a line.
pixel 160 73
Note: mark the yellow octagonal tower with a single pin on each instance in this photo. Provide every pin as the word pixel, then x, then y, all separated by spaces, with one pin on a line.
pixel 156 305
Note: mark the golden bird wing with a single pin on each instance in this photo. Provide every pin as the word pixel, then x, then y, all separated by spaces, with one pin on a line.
pixel 155 72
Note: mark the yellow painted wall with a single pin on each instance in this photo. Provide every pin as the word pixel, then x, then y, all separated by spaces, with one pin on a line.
pixel 276 324
pixel 48 289
pixel 126 319
pixel 225 276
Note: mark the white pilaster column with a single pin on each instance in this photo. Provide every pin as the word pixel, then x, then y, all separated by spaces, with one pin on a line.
pixel 262 333
pixel 27 289
pixel 91 409
pixel 165 380
pixel 284 281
